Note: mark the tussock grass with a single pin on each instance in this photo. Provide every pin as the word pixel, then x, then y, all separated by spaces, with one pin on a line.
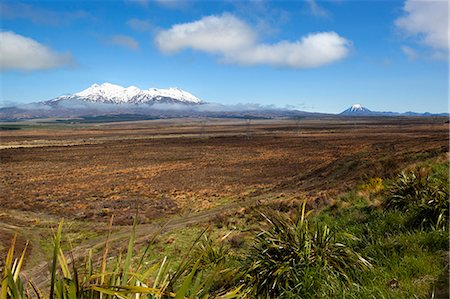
pixel 293 257
pixel 424 196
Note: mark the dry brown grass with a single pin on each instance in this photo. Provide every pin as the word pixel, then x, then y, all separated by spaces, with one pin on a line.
pixel 155 166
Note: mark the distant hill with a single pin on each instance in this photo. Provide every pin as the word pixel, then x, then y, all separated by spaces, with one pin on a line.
pixel 359 110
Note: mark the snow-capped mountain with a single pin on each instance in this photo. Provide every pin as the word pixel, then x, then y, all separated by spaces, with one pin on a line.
pixel 357 109
pixel 108 93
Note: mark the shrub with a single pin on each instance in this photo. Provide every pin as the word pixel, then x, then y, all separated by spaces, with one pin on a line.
pixel 374 185
pixel 423 196
pixel 209 253
pixel 292 255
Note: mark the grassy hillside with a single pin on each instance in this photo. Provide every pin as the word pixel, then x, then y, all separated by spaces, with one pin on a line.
pixel 385 239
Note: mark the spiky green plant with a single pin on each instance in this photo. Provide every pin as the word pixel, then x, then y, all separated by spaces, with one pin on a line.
pixel 424 196
pixel 110 278
pixel 210 252
pixel 292 255
pixel 12 284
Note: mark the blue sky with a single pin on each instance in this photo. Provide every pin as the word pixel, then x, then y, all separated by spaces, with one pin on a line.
pixel 313 55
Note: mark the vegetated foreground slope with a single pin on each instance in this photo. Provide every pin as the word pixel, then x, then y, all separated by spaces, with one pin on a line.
pixel 88 173
pixel 384 239
pixel 167 169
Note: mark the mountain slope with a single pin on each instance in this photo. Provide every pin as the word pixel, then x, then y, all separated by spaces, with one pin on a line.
pixel 357 110
pixel 108 93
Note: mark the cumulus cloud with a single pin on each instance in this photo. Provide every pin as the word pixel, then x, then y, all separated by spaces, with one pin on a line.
pixel 234 41
pixel 18 52
pixel 427 20
pixel 124 41
pixel 212 34
pixel 310 51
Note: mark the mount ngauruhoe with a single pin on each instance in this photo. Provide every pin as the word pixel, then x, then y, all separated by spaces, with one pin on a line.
pixel 108 93
pixel 358 110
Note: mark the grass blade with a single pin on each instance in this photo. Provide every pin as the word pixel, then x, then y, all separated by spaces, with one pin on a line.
pixel 19 264
pixel 55 258
pixel 182 291
pixel 13 288
pixel 127 262
pixel 8 267
pixel 38 292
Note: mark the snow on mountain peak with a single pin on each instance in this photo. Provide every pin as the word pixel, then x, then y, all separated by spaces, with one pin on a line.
pixel 109 91
pixel 116 94
pixel 356 107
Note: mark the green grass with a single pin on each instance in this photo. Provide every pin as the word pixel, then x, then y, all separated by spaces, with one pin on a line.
pixel 411 258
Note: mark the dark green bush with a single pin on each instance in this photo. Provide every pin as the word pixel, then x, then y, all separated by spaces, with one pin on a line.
pixel 424 197
pixel 293 256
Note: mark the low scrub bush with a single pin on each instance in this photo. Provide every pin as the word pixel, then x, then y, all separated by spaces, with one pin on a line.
pixel 293 258
pixel 423 196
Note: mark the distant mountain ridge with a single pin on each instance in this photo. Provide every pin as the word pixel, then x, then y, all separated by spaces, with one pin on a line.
pixel 133 103
pixel 108 93
pixel 113 100
pixel 359 110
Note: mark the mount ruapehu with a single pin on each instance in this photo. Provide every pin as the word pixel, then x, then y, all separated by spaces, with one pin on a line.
pixel 111 99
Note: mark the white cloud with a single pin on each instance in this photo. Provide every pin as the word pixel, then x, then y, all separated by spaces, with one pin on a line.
pixel 140 25
pixel 234 41
pixel 317 10
pixel 124 41
pixel 18 52
pixel 313 50
pixel 212 34
pixel 409 52
pixel 428 21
